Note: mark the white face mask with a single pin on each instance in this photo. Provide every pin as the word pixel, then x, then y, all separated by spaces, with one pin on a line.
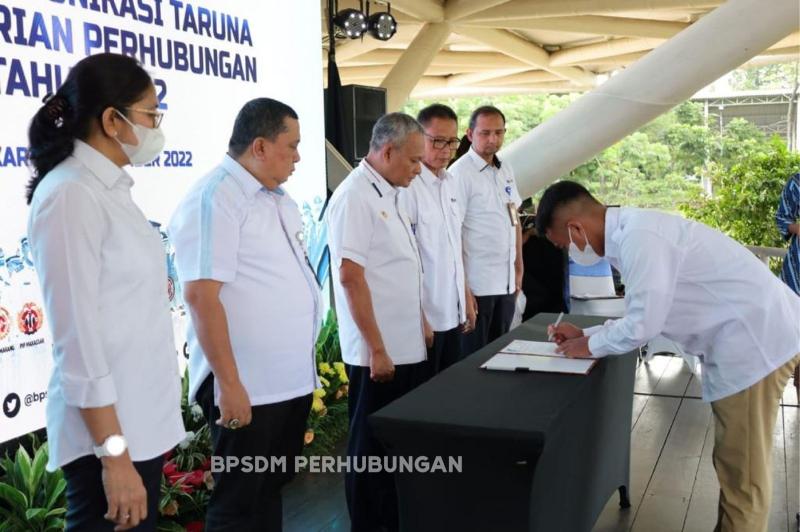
pixel 587 257
pixel 150 143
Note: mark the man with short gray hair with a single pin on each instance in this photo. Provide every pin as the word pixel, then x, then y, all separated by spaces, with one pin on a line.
pixel 377 279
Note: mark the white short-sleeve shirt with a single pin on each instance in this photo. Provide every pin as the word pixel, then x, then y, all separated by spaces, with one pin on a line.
pixel 489 238
pixel 431 203
pixel 366 224
pixel 231 229
pixel 703 290
pixel 103 275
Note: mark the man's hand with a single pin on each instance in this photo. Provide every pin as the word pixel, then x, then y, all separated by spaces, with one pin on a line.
pixel 428 332
pixel 125 493
pixel 575 348
pixel 472 314
pixel 234 403
pixel 564 331
pixel 518 280
pixel 381 367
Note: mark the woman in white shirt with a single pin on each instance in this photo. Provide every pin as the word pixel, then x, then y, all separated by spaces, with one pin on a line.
pixel 114 396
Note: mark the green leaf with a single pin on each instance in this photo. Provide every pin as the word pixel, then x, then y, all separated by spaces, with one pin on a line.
pixel 54 500
pixel 35 514
pixel 37 472
pixel 17 499
pixel 22 465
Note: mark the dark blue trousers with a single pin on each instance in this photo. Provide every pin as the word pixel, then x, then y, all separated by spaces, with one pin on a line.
pixel 372 497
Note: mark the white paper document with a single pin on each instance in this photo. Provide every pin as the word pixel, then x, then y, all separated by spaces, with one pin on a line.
pixel 528 347
pixel 547 364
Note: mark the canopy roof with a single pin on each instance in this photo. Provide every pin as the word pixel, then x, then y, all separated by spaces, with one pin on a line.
pixel 463 47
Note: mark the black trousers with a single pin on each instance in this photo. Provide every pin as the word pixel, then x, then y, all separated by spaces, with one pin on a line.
pixel 445 351
pixel 86 498
pixel 372 497
pixel 251 501
pixel 494 320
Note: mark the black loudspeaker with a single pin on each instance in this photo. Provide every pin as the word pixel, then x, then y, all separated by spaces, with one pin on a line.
pixel 362 107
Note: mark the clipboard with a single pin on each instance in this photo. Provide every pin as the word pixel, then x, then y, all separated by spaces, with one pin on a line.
pixel 590 297
pixel 539 363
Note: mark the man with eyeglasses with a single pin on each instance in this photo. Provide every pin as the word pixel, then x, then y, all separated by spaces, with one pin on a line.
pixel 431 203
pixel 492 238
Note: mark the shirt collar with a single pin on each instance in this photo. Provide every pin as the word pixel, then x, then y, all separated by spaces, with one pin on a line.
pixel 249 184
pixel 480 164
pixel 613 225
pixel 429 178
pixel 378 181
pixel 101 166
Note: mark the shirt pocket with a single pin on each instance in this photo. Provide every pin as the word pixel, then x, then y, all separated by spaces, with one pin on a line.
pixel 454 210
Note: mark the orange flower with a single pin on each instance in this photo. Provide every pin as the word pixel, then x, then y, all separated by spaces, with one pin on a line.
pixel 208 480
pixel 171 508
pixel 309 437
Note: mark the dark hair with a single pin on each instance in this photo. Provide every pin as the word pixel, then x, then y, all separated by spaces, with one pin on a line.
pixel 262 117
pixel 93 85
pixel 556 196
pixel 436 110
pixel 463 147
pixel 484 110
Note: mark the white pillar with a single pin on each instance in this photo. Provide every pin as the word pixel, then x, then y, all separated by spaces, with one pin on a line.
pixel 408 70
pixel 709 48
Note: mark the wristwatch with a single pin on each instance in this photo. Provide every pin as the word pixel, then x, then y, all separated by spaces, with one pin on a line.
pixel 114 445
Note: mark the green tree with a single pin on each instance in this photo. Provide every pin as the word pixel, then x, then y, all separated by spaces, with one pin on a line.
pixel 746 195
pixel 689 146
pixel 740 140
pixel 775 76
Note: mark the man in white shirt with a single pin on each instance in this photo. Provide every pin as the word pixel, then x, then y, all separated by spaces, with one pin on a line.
pixel 708 293
pixel 431 202
pixel 255 307
pixel 492 237
pixel 377 280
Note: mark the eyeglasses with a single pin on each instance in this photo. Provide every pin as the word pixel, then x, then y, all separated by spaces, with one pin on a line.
pixel 157 115
pixel 439 143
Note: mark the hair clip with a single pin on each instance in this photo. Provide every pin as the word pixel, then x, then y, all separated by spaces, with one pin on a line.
pixel 55 107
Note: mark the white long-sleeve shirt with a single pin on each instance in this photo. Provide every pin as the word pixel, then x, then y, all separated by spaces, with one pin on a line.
pixel 103 274
pixel 703 290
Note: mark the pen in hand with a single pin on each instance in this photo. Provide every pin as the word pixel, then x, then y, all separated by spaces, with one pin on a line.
pixel 553 329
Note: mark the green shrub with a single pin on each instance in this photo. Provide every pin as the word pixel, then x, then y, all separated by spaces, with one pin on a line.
pixel 31 498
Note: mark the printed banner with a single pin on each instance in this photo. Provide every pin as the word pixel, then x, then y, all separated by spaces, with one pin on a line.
pixel 207 59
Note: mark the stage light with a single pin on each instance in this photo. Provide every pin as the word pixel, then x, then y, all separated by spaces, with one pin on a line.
pixel 352 21
pixel 382 26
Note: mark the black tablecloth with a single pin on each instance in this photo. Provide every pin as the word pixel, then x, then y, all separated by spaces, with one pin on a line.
pixel 539 451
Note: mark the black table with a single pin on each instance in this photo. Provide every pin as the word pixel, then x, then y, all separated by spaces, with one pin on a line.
pixel 539 451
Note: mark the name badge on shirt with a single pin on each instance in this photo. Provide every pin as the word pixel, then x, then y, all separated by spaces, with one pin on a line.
pixel 512 213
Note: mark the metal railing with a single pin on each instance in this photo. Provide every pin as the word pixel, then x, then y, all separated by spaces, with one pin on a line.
pixel 765 253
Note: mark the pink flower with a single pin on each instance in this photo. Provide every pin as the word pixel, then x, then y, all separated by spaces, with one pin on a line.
pixel 169 469
pixel 195 478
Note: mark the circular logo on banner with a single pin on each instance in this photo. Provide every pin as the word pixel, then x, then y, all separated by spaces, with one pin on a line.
pixel 30 318
pixel 170 289
pixel 11 405
pixel 5 323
